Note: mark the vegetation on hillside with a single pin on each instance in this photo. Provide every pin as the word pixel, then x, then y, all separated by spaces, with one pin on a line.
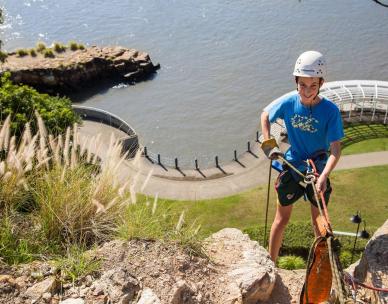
pixel 20 103
pixel 57 198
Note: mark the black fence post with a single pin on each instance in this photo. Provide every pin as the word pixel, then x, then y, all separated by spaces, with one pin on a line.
pixel 176 163
pixel 159 162
pixel 235 155
pixel 257 136
pixel 145 152
pixel 217 165
pixel 196 164
pixel 249 146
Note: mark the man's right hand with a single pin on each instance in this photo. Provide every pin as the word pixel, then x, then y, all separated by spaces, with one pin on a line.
pixel 271 149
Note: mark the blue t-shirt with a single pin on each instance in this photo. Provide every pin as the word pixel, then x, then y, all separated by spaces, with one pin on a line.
pixel 310 129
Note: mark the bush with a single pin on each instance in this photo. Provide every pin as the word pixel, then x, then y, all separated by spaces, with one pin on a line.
pixel 48 53
pixel 33 52
pixel 81 46
pixel 73 45
pixel 40 47
pixel 59 48
pixel 144 220
pixel 21 52
pixel 21 101
pixel 297 239
pixel 291 262
pixel 3 56
pixel 76 264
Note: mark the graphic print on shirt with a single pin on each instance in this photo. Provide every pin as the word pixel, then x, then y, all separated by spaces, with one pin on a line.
pixel 304 123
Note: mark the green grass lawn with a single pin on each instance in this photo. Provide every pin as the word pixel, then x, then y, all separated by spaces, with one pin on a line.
pixel 362 138
pixel 369 145
pixel 357 189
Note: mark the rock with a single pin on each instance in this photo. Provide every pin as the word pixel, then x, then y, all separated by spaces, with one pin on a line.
pixel 46 297
pixel 118 284
pixel 181 293
pixel 250 273
pixel 73 70
pixel 36 291
pixel 148 297
pixel 7 284
pixel 73 301
pixel 372 269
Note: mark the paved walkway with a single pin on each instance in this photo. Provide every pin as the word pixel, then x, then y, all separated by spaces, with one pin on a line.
pixel 235 177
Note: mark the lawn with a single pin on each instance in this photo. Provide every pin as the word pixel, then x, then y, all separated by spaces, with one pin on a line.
pixel 357 189
pixel 369 145
pixel 361 138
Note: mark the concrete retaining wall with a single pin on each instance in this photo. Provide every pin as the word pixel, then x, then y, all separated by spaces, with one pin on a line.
pixel 130 142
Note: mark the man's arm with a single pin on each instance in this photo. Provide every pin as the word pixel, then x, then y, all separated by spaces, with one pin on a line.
pixel 265 125
pixel 335 154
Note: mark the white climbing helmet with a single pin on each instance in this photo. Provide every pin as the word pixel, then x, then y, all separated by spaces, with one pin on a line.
pixel 310 64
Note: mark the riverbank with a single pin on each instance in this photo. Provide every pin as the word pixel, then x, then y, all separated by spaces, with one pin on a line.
pixel 66 70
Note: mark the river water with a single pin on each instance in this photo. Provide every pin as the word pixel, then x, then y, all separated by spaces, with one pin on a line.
pixel 221 61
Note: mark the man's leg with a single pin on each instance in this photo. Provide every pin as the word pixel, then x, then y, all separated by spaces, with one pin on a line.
pixel 280 222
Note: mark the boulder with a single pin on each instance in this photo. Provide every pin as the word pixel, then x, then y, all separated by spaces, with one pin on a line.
pixel 249 272
pixel 372 269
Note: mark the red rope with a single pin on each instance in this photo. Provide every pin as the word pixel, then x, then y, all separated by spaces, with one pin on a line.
pixel 353 280
pixel 321 194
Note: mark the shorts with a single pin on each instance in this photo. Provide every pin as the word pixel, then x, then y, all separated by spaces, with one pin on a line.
pixel 289 190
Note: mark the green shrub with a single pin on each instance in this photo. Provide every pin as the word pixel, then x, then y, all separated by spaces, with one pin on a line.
pixel 73 45
pixel 33 52
pixel 48 53
pixel 345 258
pixel 147 221
pixel 59 48
pixel 297 239
pixel 291 262
pixel 3 56
pixel 21 52
pixel 15 245
pixel 21 101
pixel 76 264
pixel 40 47
pixel 81 46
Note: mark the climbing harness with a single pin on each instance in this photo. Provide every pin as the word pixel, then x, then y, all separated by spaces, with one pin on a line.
pixel 323 265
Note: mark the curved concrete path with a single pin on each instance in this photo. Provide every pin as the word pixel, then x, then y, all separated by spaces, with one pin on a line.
pixel 251 171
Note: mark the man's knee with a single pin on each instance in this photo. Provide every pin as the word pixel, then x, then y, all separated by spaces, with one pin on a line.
pixel 281 221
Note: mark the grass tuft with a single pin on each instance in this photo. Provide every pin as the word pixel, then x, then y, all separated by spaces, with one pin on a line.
pixel 22 52
pixel 73 45
pixel 3 56
pixel 48 53
pixel 59 48
pixel 77 264
pixel 291 262
pixel 33 53
pixel 40 47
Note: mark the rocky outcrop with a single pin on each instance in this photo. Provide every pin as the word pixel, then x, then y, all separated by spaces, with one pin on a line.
pixel 71 71
pixel 249 274
pixel 372 269
pixel 237 270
